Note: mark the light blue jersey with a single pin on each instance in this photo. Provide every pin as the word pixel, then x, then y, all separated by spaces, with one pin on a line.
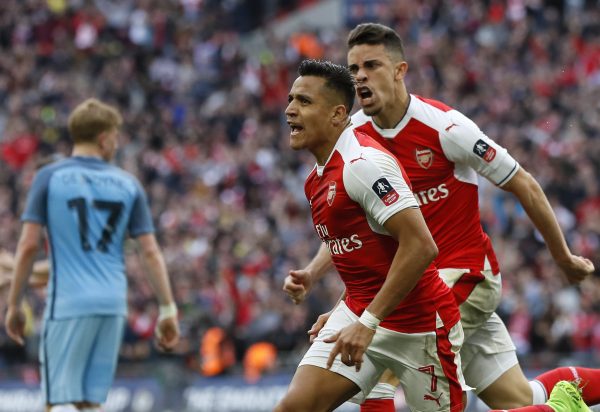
pixel 88 207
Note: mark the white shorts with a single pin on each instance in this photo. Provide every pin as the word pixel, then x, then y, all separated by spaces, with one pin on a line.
pixel 488 351
pixel 482 300
pixel 487 354
pixel 427 364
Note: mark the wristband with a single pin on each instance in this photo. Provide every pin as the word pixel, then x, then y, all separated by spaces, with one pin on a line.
pixel 167 311
pixel 369 320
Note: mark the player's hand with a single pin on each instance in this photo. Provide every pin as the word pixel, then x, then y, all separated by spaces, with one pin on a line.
pixel 318 325
pixel 577 268
pixel 350 343
pixel 15 324
pixel 297 285
pixel 167 333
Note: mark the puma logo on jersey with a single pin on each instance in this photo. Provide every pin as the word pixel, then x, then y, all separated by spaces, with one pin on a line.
pixel 450 127
pixel 428 397
pixel 357 159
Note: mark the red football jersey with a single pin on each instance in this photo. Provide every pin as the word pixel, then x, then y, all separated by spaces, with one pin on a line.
pixel 442 151
pixel 351 197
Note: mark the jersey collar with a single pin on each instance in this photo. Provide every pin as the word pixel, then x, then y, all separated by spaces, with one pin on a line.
pixel 321 169
pixel 391 133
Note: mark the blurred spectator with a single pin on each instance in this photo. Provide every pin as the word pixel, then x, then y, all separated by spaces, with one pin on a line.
pixel 259 358
pixel 216 352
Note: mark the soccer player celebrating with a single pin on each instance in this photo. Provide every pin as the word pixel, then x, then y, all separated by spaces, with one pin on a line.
pixel 442 151
pixel 87 206
pixel 397 312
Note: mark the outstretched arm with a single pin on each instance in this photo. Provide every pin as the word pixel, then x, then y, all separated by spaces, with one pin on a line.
pixel 537 207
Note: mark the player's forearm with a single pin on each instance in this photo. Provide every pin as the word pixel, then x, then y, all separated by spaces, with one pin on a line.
pixel 22 270
pixel 536 205
pixel 408 266
pixel 158 277
pixel 320 264
pixel 545 221
pixel 156 268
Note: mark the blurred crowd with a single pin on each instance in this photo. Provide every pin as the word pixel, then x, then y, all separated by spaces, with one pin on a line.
pixel 205 134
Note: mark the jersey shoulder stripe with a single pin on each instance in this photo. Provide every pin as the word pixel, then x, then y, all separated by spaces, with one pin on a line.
pixel 435 103
pixel 434 116
pixel 359 118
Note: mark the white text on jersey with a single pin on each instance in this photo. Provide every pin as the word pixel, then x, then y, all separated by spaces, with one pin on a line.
pixel 338 246
pixel 433 194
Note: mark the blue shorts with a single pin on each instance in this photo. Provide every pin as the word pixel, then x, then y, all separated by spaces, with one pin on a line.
pixel 79 357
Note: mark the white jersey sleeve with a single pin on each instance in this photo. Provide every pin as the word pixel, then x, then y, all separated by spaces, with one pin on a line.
pixel 376 183
pixel 464 143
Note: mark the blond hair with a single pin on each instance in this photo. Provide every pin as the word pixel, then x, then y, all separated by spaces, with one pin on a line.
pixel 92 118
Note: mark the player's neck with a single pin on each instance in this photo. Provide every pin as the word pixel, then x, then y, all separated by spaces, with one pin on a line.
pixel 87 150
pixel 323 151
pixel 392 114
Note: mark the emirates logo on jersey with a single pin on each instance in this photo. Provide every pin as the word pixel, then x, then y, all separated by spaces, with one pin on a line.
pixel 424 157
pixel 336 245
pixel 433 194
pixel 331 193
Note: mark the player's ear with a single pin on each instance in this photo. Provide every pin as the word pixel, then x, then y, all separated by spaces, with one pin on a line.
pixel 400 70
pixel 340 115
pixel 101 139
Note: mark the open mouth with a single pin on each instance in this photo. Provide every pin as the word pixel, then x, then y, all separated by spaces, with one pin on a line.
pixel 295 128
pixel 364 93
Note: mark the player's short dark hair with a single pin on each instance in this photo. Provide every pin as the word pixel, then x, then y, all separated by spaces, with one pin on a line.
pixel 338 78
pixel 375 33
